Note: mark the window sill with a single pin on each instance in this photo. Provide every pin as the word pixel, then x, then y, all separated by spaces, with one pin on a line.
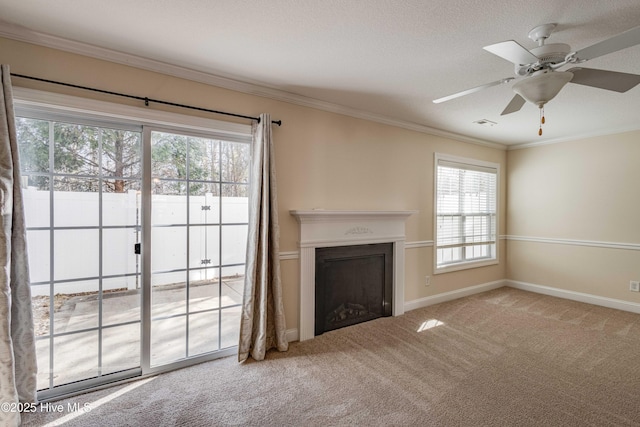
pixel 465 266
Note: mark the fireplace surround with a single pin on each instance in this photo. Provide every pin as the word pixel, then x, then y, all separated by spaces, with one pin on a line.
pixel 329 228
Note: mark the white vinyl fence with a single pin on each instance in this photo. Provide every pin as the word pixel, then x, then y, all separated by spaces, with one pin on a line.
pixel 76 252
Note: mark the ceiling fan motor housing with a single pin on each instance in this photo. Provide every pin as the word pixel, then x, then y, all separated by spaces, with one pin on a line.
pixel 552 53
pixel 548 54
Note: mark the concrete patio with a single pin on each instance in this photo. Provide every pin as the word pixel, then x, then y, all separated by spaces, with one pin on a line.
pixel 77 354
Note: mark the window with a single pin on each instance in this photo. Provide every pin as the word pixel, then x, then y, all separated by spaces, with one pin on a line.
pixel 466 214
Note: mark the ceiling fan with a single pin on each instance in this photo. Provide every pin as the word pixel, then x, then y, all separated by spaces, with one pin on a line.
pixel 539 67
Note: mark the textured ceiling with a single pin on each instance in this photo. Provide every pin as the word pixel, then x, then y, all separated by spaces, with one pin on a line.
pixel 383 57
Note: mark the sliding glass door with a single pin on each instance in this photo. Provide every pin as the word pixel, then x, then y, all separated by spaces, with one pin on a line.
pixel 198 225
pixel 136 242
pixel 81 187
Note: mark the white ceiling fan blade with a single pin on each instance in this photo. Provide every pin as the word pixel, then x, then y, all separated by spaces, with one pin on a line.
pixel 604 79
pixel 472 90
pixel 621 41
pixel 512 51
pixel 515 105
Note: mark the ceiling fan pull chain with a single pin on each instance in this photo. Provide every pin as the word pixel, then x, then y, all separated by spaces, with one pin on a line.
pixel 541 120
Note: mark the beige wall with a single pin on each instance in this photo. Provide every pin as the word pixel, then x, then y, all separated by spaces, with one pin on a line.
pixel 586 190
pixel 324 160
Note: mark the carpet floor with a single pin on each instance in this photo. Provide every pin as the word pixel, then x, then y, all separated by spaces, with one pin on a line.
pixel 500 358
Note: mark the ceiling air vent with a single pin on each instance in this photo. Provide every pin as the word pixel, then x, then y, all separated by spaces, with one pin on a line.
pixel 485 122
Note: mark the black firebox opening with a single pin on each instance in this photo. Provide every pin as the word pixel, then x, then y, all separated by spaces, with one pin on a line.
pixel 354 284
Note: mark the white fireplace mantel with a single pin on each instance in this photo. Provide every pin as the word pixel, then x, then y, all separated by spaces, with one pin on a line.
pixel 327 228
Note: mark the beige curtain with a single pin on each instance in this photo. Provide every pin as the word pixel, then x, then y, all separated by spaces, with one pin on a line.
pixel 17 341
pixel 262 325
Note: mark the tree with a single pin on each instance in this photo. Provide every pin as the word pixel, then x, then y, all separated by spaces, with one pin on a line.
pixel 170 167
pixel 120 158
pixel 80 150
pixel 235 168
pixel 209 165
pixel 84 154
pixel 33 143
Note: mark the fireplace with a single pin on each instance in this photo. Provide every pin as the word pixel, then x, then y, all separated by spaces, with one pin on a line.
pixel 330 229
pixel 353 285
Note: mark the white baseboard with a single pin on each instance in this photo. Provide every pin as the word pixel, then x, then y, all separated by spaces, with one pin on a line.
pixel 448 296
pixel 633 307
pixel 292 335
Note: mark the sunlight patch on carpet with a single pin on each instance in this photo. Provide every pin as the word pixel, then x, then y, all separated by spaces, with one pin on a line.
pixel 93 405
pixel 428 324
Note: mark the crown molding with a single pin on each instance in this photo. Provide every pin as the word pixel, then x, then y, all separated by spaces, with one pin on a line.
pixel 572 138
pixel 22 34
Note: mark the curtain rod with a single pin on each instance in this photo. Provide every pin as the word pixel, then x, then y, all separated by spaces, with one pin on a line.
pixel 143 98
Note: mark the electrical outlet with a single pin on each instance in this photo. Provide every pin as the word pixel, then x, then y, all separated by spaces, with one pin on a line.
pixel 427 280
pixel 634 286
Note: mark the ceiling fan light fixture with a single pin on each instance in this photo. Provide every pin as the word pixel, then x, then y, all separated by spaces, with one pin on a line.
pixel 542 88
